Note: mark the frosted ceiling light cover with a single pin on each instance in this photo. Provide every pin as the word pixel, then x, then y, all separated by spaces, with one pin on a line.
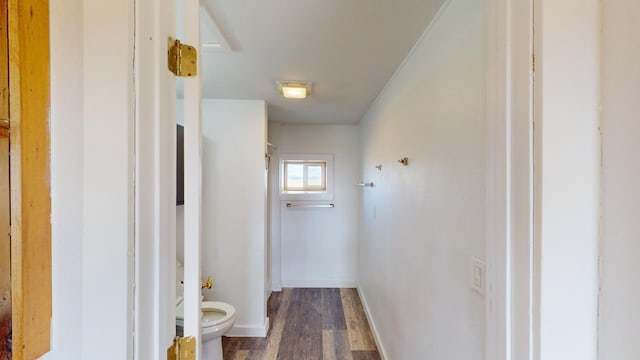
pixel 294 93
pixel 294 89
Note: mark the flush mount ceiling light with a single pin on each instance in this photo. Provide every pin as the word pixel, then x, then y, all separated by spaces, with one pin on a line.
pixel 294 89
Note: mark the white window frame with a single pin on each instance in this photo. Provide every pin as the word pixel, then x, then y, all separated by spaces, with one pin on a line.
pixel 326 194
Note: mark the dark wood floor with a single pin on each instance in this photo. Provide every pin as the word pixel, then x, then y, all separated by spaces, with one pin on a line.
pixel 308 324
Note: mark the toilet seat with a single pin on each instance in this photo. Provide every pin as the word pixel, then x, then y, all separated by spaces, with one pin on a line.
pixel 215 313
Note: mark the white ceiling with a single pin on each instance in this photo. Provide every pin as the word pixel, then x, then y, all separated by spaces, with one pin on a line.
pixel 349 49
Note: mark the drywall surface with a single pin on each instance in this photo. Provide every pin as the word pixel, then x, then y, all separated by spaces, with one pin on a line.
pixel 619 323
pixel 566 178
pixel 422 223
pixel 234 208
pixel 318 246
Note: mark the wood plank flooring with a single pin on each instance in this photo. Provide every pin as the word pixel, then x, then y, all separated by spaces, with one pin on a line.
pixel 309 324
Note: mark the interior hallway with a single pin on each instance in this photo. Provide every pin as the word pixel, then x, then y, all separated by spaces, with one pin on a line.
pixel 328 324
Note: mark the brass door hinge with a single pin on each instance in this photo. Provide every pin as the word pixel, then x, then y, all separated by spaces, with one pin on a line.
pixel 183 59
pixel 182 349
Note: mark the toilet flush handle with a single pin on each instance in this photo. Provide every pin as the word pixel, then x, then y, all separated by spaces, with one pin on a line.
pixel 207 284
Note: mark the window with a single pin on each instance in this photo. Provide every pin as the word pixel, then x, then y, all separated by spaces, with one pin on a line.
pixel 306 176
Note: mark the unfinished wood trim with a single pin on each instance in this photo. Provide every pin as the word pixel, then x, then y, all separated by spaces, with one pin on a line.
pixel 30 177
pixel 5 241
pixel 4 61
pixel 5 191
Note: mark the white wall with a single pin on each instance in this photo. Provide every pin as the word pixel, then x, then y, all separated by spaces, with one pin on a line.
pixel 567 172
pixel 234 208
pixel 318 246
pixel 619 324
pixel 421 224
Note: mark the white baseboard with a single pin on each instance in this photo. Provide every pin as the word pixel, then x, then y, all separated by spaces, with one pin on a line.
pixel 276 286
pixel 319 284
pixel 372 324
pixel 249 330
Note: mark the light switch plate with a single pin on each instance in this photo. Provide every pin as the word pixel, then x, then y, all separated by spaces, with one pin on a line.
pixel 478 275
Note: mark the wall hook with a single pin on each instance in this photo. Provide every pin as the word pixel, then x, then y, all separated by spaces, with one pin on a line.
pixel 404 161
pixel 379 167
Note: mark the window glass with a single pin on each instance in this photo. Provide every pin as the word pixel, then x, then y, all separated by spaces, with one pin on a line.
pixel 305 176
pixel 295 176
pixel 315 176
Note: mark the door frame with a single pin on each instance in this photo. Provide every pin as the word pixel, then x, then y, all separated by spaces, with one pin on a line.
pixel 29 104
pixel 193 182
pixel 155 205
pixel 510 238
pixel 155 202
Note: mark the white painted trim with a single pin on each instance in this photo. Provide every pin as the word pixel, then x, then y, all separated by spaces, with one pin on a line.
pixel 193 182
pixel 155 168
pixel 108 236
pixel 509 303
pixel 255 330
pixel 372 325
pixel 276 286
pixel 319 284
pixel 567 189
pixel 520 177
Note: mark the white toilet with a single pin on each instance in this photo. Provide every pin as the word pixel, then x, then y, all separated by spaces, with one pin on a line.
pixel 217 319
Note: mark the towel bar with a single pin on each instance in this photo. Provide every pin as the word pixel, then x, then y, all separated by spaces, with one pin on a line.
pixel 290 205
